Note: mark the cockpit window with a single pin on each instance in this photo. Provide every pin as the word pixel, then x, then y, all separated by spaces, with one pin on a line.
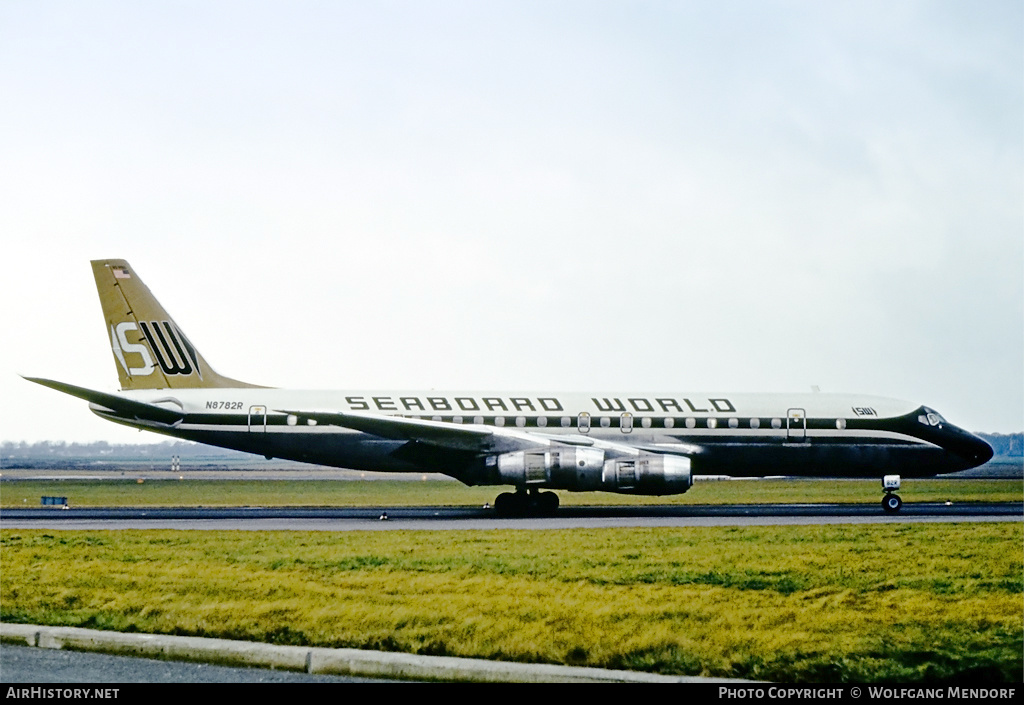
pixel 930 418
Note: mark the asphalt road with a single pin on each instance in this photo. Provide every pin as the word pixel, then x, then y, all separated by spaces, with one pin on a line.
pixel 448 518
pixel 26 664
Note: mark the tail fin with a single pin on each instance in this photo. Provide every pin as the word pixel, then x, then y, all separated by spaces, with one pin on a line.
pixel 150 349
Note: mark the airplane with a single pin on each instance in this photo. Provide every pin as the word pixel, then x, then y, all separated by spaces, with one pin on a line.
pixel 644 443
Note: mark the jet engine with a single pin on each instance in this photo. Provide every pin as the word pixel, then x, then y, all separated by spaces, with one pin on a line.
pixel 558 468
pixel 647 474
pixel 585 469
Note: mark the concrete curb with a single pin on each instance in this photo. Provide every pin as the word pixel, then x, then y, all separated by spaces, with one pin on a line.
pixel 351 662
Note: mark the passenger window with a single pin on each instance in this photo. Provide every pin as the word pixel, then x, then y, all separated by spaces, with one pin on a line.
pixel 583 422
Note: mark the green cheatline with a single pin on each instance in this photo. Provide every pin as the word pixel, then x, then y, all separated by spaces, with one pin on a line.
pixel 865 603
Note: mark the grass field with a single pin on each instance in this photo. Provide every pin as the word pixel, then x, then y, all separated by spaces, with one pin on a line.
pixel 923 602
pixel 383 493
pixel 866 603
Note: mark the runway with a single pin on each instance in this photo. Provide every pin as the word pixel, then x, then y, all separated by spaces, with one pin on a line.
pixel 483 518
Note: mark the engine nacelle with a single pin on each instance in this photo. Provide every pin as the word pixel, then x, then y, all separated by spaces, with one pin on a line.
pixel 647 474
pixel 585 469
pixel 557 468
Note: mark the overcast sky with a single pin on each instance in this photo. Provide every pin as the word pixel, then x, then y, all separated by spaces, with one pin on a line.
pixel 558 196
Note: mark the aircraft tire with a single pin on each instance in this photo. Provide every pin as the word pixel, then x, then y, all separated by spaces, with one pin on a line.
pixel 547 503
pixel 891 503
pixel 507 505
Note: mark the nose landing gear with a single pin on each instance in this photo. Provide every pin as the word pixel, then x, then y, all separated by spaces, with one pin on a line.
pixel 891 502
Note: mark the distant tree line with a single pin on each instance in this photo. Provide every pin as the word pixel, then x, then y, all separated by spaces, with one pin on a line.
pixel 1005 445
pixel 102 450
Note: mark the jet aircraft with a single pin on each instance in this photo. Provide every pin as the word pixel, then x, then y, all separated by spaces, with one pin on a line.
pixel 648 443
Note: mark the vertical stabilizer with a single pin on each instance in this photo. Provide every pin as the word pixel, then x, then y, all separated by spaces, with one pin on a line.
pixel 150 350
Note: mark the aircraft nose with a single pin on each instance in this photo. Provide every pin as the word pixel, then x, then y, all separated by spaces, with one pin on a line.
pixel 974 449
pixel 983 452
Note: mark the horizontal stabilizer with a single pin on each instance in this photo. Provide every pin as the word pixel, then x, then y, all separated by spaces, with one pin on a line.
pixel 117 404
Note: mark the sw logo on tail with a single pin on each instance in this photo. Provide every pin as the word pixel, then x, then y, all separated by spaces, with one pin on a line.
pixel 173 352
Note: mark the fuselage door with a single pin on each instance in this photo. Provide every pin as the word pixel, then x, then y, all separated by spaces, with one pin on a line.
pixel 257 419
pixel 796 425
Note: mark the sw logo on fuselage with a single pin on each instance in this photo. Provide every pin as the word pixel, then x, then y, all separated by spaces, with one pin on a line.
pixel 173 351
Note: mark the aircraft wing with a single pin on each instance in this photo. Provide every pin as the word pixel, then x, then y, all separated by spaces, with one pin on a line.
pixel 473 437
pixel 452 436
pixel 117 404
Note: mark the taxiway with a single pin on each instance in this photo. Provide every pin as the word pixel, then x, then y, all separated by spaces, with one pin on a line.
pixel 468 518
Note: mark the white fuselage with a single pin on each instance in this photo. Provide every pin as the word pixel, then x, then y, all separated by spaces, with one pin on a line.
pixel 722 433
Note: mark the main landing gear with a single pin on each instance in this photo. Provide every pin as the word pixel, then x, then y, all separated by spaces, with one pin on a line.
pixel 891 502
pixel 526 503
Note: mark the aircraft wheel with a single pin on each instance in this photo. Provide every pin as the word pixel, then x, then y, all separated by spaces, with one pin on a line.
pixel 547 503
pixel 507 504
pixel 892 503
